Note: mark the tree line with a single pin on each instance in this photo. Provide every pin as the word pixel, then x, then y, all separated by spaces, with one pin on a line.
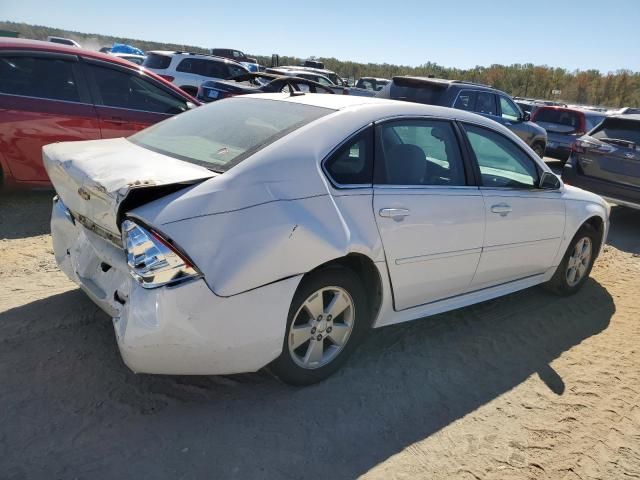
pixel 588 87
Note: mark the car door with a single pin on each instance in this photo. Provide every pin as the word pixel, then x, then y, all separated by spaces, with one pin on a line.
pixel 43 99
pixel 127 101
pixel 524 224
pixel 429 214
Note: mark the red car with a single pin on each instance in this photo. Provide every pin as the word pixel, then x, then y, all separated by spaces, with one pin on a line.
pixel 52 93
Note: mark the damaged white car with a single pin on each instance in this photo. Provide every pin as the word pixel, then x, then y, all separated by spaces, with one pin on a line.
pixel 276 230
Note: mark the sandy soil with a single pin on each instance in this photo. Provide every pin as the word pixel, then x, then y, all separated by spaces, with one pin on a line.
pixel 524 387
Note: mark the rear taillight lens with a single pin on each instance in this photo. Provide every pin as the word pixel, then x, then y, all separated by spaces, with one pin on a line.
pixel 168 78
pixel 581 145
pixel 153 261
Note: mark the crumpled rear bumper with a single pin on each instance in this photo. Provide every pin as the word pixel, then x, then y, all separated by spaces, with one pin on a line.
pixel 185 329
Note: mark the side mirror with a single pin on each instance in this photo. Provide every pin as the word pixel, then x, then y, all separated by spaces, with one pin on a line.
pixel 526 116
pixel 549 181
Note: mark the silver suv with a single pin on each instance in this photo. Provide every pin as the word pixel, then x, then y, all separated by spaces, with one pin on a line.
pixel 189 70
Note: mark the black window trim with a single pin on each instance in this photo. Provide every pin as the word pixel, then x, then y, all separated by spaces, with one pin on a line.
pixel 476 166
pixel 346 141
pixel 129 70
pixel 97 97
pixel 469 173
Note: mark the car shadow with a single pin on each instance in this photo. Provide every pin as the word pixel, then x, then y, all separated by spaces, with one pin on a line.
pixel 624 230
pixel 76 409
pixel 25 213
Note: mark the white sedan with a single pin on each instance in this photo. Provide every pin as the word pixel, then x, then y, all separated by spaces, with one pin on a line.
pixel 276 230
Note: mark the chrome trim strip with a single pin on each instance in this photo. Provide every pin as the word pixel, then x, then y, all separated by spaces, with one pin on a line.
pixel 438 256
pixel 507 246
pixel 45 98
pixel 622 203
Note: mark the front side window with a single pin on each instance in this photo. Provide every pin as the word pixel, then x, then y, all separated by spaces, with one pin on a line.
pixel 509 110
pixel 486 103
pixel 130 90
pixel 502 163
pixel 48 78
pixel 352 164
pixel 419 152
pixel 224 133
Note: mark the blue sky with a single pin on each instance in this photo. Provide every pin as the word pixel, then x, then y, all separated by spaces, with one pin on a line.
pixel 462 33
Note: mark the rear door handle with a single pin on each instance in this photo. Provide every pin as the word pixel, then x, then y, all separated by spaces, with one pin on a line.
pixel 393 212
pixel 502 208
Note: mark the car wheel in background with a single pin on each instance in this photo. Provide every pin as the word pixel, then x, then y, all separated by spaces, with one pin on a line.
pixel 577 262
pixel 328 317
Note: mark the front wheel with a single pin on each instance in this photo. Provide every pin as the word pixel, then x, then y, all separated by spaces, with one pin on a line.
pixel 327 319
pixel 577 262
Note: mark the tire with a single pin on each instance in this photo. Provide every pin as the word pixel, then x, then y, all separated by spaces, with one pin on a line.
pixel 562 281
pixel 539 149
pixel 335 338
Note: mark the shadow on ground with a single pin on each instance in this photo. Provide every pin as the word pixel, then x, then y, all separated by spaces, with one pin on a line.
pixel 24 214
pixel 624 232
pixel 74 410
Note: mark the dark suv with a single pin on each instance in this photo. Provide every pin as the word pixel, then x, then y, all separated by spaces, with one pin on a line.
pixel 472 97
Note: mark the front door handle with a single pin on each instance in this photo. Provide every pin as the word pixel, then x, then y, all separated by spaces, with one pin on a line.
pixel 394 212
pixel 502 208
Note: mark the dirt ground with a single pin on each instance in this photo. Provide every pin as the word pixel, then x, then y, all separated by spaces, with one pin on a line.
pixel 527 386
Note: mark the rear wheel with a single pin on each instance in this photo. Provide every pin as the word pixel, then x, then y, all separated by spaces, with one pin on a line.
pixel 577 262
pixel 327 319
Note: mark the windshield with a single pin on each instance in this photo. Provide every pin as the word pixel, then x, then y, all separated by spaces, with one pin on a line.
pixel 618 129
pixel 223 133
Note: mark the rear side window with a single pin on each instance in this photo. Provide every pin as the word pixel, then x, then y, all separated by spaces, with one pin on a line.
pixel 352 164
pixel 618 129
pixel 225 132
pixel 38 77
pixel 156 61
pixel 466 100
pixel 130 90
pixel 419 152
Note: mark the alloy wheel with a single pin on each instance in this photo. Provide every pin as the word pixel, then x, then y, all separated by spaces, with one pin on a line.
pixel 579 261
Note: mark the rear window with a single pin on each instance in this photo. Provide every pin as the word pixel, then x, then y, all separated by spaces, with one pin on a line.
pixel 210 68
pixel 157 61
pixel 423 93
pixel 225 132
pixel 593 121
pixel 558 121
pixel 618 129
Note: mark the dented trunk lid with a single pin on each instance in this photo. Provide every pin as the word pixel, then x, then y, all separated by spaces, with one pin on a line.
pixel 96 179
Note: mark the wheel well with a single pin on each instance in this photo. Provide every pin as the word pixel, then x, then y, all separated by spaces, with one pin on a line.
pixel 364 267
pixel 598 225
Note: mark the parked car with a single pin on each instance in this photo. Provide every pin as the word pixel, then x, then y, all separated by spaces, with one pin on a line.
pixel 607 160
pixel 564 125
pixel 301 73
pixel 257 83
pixel 249 62
pixel 63 41
pixel 189 70
pixel 52 93
pixel 277 230
pixel 133 58
pixel 331 75
pixel 372 83
pixel 472 97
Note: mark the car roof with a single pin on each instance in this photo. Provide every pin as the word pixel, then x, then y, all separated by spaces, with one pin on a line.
pixel 26 44
pixel 38 45
pixel 587 112
pixel 207 56
pixel 635 117
pixel 445 83
pixel 374 78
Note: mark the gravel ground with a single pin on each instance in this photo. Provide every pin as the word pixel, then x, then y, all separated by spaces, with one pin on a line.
pixel 527 386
